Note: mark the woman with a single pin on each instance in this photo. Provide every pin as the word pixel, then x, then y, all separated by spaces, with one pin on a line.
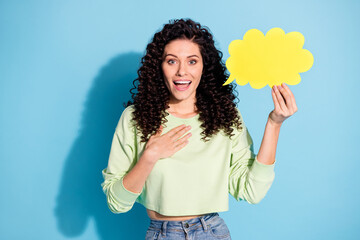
pixel 182 146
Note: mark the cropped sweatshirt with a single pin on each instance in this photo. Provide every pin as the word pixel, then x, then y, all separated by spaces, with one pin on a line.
pixel 195 180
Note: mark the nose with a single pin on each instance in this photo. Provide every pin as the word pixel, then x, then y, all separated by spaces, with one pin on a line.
pixel 181 70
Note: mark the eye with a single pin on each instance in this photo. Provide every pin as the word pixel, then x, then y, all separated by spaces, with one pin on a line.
pixel 192 62
pixel 171 61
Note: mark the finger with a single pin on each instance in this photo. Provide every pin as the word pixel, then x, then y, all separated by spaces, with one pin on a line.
pixel 181 132
pixel 276 102
pixel 292 97
pixel 175 129
pixel 287 97
pixel 280 99
pixel 181 145
pixel 183 139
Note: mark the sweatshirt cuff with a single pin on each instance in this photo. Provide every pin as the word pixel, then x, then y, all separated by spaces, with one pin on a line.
pixel 121 194
pixel 262 171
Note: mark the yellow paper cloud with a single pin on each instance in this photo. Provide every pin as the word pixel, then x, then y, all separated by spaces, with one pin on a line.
pixel 268 60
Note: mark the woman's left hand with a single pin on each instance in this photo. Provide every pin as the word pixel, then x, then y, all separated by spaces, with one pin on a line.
pixel 284 102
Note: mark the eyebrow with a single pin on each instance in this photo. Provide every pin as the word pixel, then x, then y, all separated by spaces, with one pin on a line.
pixel 176 56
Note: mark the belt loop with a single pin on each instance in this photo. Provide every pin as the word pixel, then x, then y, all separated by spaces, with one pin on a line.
pixel 163 229
pixel 203 224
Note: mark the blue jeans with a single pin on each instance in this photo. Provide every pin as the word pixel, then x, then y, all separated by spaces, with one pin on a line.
pixel 210 226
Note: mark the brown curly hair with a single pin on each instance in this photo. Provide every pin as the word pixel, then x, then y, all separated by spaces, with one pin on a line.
pixel 215 103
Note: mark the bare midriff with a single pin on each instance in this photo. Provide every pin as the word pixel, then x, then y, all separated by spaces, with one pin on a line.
pixel 157 216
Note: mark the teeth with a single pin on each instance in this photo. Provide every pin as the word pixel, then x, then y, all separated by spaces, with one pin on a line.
pixel 183 82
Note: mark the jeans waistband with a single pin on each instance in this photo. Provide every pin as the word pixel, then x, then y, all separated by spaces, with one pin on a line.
pixel 186 224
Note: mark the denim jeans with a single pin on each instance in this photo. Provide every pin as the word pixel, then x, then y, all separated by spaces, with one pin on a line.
pixel 210 226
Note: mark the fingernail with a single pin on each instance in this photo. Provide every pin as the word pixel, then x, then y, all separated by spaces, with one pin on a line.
pixel 280 87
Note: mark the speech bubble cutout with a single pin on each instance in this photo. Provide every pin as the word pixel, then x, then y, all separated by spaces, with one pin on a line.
pixel 268 60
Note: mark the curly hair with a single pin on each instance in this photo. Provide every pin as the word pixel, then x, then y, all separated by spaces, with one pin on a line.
pixel 215 103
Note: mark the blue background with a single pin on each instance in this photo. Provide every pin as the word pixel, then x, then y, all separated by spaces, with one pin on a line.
pixel 66 67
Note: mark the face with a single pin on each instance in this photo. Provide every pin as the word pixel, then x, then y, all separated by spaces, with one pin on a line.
pixel 182 67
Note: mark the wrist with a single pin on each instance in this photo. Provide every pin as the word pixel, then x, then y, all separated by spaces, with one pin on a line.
pixel 273 123
pixel 148 157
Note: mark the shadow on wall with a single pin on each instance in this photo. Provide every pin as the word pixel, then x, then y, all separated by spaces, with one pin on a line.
pixel 80 196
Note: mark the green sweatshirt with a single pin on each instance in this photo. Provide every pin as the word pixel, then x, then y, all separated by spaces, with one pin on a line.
pixel 195 180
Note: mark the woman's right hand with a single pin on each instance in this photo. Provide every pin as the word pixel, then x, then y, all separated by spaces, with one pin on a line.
pixel 163 146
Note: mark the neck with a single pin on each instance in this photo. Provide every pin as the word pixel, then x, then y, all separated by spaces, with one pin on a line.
pixel 182 107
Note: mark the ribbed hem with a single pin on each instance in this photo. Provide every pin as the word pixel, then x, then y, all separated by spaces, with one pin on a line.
pixel 262 171
pixel 122 194
pixel 185 212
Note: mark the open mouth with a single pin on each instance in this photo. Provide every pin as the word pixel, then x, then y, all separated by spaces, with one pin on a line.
pixel 182 85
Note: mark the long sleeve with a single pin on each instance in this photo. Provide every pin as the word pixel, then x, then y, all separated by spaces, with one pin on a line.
pixel 249 179
pixel 121 160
